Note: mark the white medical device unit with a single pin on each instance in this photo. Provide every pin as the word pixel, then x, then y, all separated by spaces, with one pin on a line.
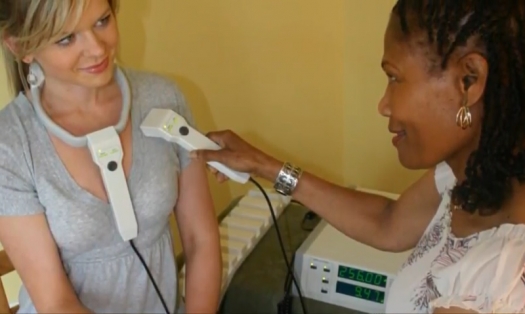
pixel 105 148
pixel 106 151
pixel 172 127
pixel 335 269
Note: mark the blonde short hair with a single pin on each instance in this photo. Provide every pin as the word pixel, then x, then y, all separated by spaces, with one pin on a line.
pixel 34 24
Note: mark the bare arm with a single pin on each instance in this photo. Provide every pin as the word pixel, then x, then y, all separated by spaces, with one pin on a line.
pixel 33 252
pixel 390 225
pixel 374 220
pixel 199 230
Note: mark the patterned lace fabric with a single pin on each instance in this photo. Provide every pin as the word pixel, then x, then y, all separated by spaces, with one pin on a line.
pixel 446 271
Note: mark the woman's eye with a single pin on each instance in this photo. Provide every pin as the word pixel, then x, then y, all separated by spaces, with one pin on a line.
pixel 65 40
pixel 391 78
pixel 104 21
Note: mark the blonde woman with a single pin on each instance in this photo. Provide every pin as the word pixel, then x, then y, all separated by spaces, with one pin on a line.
pixel 56 223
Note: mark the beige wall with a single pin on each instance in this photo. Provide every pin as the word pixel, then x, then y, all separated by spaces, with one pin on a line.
pixel 299 78
pixel 270 70
pixel 5 93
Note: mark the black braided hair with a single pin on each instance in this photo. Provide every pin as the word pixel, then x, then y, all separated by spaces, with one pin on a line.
pixel 497 26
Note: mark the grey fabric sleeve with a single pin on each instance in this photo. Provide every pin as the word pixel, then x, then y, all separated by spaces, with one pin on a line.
pixel 18 196
pixel 159 91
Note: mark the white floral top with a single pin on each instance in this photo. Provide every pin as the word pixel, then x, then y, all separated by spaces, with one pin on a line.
pixel 483 272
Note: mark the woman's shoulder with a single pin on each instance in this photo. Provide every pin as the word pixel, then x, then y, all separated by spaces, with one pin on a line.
pixel 489 277
pixel 151 85
pixel 501 248
pixel 16 118
pixel 497 247
pixel 18 129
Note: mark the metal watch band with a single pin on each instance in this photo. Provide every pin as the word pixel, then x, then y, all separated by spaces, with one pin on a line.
pixel 287 179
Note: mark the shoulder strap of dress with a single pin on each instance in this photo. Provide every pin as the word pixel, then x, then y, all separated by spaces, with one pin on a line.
pixel 444 177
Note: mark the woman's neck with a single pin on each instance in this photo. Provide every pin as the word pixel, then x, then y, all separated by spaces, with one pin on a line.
pixel 458 161
pixel 59 98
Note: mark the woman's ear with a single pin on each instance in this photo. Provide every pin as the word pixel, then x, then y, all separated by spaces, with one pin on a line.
pixel 473 73
pixel 28 59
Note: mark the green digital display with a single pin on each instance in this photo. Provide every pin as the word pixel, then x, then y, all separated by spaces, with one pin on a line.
pixel 360 292
pixel 363 276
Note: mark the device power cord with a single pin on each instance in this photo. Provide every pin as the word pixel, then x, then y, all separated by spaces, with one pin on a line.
pixel 285 306
pixel 150 276
pixel 281 244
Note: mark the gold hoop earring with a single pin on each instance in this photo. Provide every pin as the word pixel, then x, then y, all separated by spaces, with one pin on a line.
pixel 464 117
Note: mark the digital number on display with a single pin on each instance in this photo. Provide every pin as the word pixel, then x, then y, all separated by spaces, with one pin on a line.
pixel 362 276
pixel 360 292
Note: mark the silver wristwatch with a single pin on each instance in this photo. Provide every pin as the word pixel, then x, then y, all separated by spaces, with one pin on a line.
pixel 287 179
